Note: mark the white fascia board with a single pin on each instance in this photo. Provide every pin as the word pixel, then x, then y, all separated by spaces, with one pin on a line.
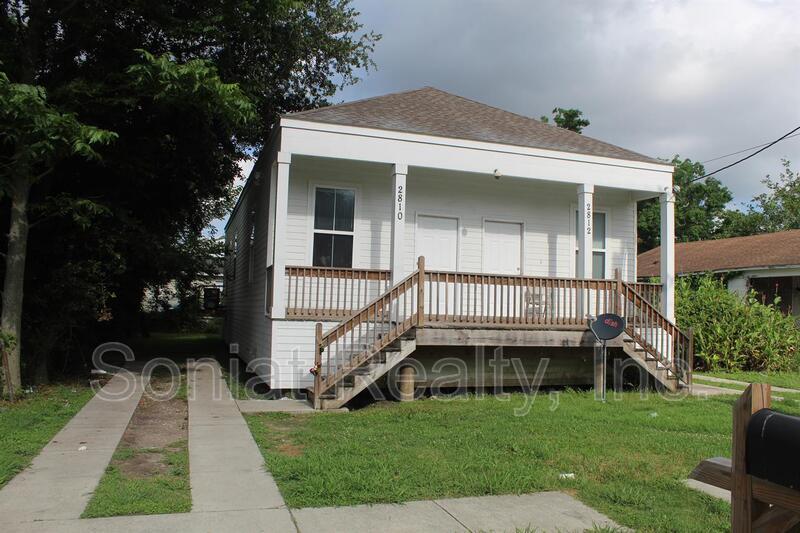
pixel 367 144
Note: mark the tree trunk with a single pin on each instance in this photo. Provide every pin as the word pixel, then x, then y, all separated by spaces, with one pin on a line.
pixel 11 317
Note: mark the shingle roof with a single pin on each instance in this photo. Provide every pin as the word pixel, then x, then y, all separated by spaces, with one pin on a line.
pixel 738 253
pixel 431 111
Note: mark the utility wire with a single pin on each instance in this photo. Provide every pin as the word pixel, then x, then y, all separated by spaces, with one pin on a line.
pixel 743 151
pixel 764 147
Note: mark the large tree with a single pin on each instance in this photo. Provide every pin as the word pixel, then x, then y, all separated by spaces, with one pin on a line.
pixel 700 207
pixel 117 224
pixel 33 139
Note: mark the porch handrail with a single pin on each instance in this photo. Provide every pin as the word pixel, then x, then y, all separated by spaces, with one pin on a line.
pixel 657 335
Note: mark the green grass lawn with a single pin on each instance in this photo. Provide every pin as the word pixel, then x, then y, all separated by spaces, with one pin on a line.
pixel 120 493
pixel 789 380
pixel 27 425
pixel 629 457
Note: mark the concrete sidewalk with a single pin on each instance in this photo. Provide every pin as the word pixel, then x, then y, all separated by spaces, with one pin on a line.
pixel 542 512
pixel 60 481
pixel 226 468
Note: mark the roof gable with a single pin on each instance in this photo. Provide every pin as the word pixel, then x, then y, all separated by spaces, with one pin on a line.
pixel 430 111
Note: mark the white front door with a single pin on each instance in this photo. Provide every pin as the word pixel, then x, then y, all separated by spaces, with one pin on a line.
pixel 437 241
pixel 502 248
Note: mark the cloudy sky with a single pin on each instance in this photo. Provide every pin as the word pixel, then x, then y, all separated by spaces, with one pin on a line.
pixel 697 78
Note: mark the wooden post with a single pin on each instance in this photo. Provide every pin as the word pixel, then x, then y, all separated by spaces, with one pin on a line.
pixel 421 291
pixel 318 366
pixel 618 299
pixel 408 375
pixel 744 509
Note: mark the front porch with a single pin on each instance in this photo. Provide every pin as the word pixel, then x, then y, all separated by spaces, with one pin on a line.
pixel 380 324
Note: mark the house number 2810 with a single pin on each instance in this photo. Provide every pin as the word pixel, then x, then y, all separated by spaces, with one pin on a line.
pixel 400 202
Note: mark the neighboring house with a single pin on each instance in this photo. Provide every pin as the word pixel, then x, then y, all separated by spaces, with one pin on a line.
pixel 768 264
pixel 522 226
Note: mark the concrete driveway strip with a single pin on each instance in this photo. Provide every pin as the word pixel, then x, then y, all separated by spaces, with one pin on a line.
pixel 61 479
pixel 226 468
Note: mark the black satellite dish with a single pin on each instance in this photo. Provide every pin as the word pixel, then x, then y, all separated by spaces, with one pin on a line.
pixel 606 327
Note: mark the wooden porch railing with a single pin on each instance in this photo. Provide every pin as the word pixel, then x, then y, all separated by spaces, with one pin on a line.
pixel 336 293
pixel 322 292
pixel 435 298
pixel 497 300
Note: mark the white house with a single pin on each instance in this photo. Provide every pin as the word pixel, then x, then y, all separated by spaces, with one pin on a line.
pixel 527 230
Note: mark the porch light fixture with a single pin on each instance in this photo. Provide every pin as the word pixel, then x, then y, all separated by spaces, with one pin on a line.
pixel 497 174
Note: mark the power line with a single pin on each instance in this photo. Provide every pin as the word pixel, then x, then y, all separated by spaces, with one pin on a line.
pixel 764 147
pixel 744 150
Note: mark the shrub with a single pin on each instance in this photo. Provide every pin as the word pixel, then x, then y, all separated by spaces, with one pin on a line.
pixel 734 333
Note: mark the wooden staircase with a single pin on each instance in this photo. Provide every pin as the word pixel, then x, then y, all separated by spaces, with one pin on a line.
pixel 378 337
pixel 652 341
pixel 368 344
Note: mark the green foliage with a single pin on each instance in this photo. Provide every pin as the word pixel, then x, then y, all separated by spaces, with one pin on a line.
pixel 699 207
pixel 776 209
pixel 35 135
pixel 569 119
pixel 732 333
pixel 189 89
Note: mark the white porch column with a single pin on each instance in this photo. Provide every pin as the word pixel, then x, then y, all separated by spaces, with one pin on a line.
pixel 584 230
pixel 668 254
pixel 399 173
pixel 284 160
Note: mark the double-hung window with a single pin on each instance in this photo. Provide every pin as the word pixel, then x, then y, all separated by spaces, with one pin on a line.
pixel 334 214
pixel 598 244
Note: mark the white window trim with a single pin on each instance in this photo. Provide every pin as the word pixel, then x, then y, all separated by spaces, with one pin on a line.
pixel 312 201
pixel 523 233
pixel 574 236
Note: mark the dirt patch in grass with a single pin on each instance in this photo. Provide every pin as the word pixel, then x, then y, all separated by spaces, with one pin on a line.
pixel 278 429
pixel 157 428
pixel 149 473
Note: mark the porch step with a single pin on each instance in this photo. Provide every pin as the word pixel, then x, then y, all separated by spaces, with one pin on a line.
pixel 359 378
pixel 651 364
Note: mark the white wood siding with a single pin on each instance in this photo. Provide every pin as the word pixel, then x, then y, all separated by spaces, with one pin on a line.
pixel 245 319
pixel 293 353
pixel 546 211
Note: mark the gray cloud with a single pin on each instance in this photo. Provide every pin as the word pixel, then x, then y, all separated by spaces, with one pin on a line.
pixel 701 79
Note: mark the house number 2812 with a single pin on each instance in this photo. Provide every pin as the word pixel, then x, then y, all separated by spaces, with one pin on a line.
pixel 400 202
pixel 588 219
